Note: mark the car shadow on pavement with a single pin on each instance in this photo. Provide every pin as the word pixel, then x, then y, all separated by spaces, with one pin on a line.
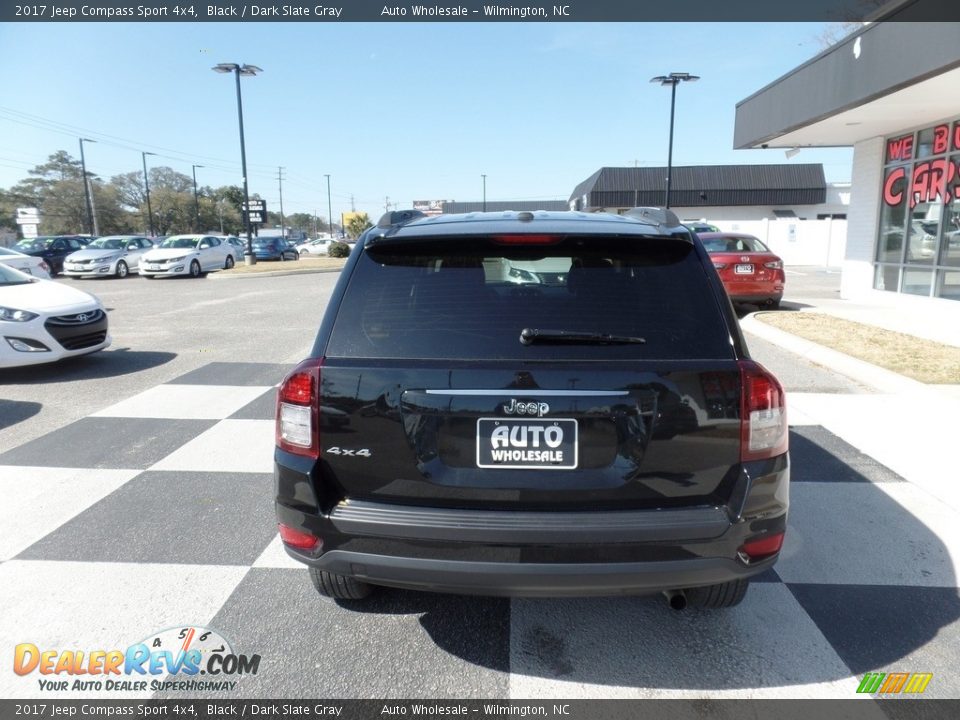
pixel 745 309
pixel 105 364
pixel 864 584
pixel 16 411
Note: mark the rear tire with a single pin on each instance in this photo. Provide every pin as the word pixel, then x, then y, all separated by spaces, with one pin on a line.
pixel 339 587
pixel 228 263
pixel 774 305
pixel 724 595
pixel 122 269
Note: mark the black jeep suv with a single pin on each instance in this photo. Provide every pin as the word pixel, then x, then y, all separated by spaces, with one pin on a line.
pixel 532 403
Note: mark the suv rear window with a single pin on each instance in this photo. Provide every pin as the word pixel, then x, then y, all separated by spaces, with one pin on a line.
pixel 470 298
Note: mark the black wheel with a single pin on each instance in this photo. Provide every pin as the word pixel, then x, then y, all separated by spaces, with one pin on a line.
pixel 725 595
pixel 122 269
pixel 339 587
pixel 228 263
pixel 774 305
pixel 296 256
pixel 194 269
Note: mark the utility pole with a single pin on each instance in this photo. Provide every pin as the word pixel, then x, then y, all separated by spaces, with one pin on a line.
pixel 146 185
pixel 196 201
pixel 283 227
pixel 353 208
pixel 91 222
pixel 386 204
pixel 329 207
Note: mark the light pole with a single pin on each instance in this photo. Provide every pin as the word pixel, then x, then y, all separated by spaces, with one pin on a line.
pixel 146 185
pixel 484 192
pixel 673 79
pixel 86 188
pixel 329 207
pixel 196 199
pixel 247 71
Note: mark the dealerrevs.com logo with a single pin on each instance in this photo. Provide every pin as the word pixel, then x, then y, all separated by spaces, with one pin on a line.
pixel 189 658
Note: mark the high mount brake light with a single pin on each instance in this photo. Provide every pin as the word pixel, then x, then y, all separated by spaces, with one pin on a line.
pixel 525 239
pixel 298 403
pixel 763 414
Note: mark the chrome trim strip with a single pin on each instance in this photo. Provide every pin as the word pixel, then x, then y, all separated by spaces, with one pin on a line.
pixel 533 392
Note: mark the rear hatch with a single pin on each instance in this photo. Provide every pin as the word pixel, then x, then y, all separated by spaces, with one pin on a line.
pixel 573 373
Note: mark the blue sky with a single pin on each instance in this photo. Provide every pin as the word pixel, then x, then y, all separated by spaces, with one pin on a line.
pixel 409 111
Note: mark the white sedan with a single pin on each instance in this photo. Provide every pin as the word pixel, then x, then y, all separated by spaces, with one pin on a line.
pixel 43 321
pixel 314 247
pixel 114 255
pixel 190 255
pixel 25 263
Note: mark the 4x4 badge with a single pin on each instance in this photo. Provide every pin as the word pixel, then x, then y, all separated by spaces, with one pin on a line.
pixel 516 407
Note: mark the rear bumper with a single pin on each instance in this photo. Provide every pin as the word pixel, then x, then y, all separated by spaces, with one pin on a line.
pixel 541 554
pixel 532 579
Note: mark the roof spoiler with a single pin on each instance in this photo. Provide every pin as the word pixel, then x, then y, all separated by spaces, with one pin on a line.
pixel 655 215
pixel 398 217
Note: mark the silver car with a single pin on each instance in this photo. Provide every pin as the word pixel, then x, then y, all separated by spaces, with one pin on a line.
pixel 114 255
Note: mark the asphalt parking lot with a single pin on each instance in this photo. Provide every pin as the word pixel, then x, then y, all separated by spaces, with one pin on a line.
pixel 137 489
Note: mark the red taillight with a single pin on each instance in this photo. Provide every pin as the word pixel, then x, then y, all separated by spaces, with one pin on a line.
pixel 527 239
pixel 763 414
pixel 298 403
pixel 44 266
pixel 774 265
pixel 297 389
pixel 298 538
pixel 719 265
pixel 763 547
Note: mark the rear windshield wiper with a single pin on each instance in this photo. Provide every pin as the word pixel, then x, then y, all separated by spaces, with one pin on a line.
pixel 529 336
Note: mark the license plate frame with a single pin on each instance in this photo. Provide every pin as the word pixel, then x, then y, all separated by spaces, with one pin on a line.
pixel 153 266
pixel 536 442
pixel 743 269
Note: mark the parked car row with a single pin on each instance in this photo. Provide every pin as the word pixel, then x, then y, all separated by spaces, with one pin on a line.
pixel 118 255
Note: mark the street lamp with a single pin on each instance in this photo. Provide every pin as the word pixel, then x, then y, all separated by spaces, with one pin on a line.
pixel 247 71
pixel 146 185
pixel 91 221
pixel 329 207
pixel 484 192
pixel 196 200
pixel 673 79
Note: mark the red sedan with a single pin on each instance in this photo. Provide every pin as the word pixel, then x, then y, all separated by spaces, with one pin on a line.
pixel 749 271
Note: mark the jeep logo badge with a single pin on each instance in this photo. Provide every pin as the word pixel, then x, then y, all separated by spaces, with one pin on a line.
pixel 515 407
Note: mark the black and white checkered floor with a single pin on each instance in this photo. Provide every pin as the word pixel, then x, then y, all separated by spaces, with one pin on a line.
pixel 156 512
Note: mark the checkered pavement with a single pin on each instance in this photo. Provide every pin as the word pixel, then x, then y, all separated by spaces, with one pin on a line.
pixel 156 512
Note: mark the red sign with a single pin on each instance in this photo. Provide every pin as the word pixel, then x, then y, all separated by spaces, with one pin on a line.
pixel 931 180
pixel 941 137
pixel 900 148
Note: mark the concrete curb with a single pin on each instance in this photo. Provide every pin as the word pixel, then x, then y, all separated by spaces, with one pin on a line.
pixel 879 378
pixel 274 273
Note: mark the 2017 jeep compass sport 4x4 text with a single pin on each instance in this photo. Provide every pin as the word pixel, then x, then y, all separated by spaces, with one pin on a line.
pixel 532 404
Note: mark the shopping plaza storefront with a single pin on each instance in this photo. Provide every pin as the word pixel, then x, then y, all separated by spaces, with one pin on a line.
pixel 890 91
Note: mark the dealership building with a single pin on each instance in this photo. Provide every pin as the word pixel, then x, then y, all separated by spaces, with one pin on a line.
pixel 890 91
